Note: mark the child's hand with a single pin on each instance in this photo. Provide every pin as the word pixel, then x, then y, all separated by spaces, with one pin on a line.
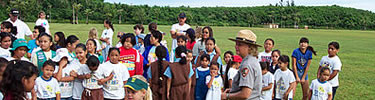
pixel 285 97
pixel 302 81
pixel 297 80
pixel 101 82
pixel 87 76
pixel 73 73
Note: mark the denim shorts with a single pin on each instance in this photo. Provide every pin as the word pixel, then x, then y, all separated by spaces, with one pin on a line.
pixel 300 74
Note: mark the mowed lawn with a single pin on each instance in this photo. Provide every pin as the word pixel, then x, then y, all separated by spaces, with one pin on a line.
pixel 356 50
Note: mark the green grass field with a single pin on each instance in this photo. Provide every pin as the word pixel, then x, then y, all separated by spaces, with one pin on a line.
pixel 356 51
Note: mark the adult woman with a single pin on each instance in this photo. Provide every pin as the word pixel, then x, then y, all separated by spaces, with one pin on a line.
pixel 200 44
pixel 247 84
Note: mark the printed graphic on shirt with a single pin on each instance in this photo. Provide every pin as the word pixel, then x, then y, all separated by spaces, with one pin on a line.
pixel 92 82
pixel 265 59
pixel 126 60
pixel 281 88
pixel 66 86
pixel 114 83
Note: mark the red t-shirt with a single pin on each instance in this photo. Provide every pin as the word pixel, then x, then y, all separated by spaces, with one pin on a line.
pixel 190 45
pixel 132 59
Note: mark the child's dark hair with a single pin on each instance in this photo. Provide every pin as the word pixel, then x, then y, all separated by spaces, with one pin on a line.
pixel 270 39
pixel 93 41
pixel 50 63
pixel 8 24
pixel 71 39
pixel 41 29
pixel 157 35
pixel 61 41
pixel 92 61
pixel 152 26
pixel 334 44
pixel 211 38
pixel 53 47
pixel 113 48
pixel 205 56
pixel 276 51
pixel 128 35
pixel 110 24
pixel 161 53
pixel 323 69
pixel 3 62
pixel 192 37
pixel 139 26
pixel 304 39
pixel 181 52
pixel 16 70
pixel 83 46
pixel 264 65
pixel 5 34
pixel 284 59
pixel 215 63
pixel 210 31
pixel 229 52
pixel 182 37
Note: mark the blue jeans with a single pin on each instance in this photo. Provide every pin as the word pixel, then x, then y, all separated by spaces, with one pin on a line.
pixel 105 52
pixel 300 74
pixel 69 98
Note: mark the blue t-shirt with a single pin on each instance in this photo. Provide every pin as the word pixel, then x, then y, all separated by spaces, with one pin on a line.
pixel 32 45
pixel 301 58
pixel 168 71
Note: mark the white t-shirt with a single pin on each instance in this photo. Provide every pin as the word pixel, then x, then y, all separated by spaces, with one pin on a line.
pixel 114 89
pixel 267 79
pixel 283 80
pixel 92 83
pixel 5 53
pixel 46 88
pixel 67 87
pixel 77 83
pixel 107 33
pixel 264 57
pixel 320 90
pixel 44 23
pixel 22 28
pixel 333 63
pixel 214 92
pixel 179 29
pixel 231 73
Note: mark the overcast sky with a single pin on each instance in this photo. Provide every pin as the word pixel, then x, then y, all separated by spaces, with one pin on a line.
pixel 359 4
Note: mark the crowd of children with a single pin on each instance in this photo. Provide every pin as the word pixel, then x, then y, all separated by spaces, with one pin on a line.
pixel 140 66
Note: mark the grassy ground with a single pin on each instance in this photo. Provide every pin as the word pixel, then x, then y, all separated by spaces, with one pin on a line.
pixel 356 51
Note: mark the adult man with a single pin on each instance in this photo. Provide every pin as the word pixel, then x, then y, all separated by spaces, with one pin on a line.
pixel 22 28
pixel 178 29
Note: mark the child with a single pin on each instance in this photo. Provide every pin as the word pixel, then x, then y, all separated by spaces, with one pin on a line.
pixel 284 80
pixel 333 62
pixel 233 70
pixel 214 83
pixel 92 49
pixel 3 66
pixel 265 56
pixel 8 27
pixel 93 34
pixel 106 37
pixel 19 50
pixel 5 43
pixel 47 87
pixel 138 30
pixel 78 63
pixel 181 41
pixel 267 81
pixel 71 44
pixel 189 58
pixel 201 73
pixel 40 56
pixel 32 43
pixel 140 43
pixel 59 39
pixel 114 88
pixel 137 88
pixel 94 77
pixel 320 89
pixel 42 21
pixel 210 50
pixel 63 73
pixel 149 54
pixel 301 63
pixel 179 76
pixel 158 81
pixel 15 88
pixel 130 57
pixel 228 57
pixel 274 62
pixel 190 34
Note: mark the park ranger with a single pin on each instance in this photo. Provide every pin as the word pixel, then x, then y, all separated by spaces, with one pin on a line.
pixel 247 83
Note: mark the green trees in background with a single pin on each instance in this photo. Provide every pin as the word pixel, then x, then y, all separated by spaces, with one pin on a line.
pixel 287 15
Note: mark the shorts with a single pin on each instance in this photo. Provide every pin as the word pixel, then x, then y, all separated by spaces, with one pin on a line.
pixel 92 94
pixel 300 74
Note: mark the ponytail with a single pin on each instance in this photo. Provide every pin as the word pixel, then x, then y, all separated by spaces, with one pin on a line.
pixel 110 24
pixel 226 79
pixel 181 52
pixel 311 49
pixel 304 39
pixel 161 53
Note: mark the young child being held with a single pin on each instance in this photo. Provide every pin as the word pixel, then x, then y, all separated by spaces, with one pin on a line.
pixel 214 83
pixel 267 81
pixel 284 80
pixel 201 73
pixel 321 89
pixel 46 86
pixel 94 77
pixel 114 88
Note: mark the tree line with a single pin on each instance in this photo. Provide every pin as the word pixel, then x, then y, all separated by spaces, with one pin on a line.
pixel 285 14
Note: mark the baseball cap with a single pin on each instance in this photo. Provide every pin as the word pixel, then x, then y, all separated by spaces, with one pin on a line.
pixel 136 84
pixel 237 58
pixel 14 12
pixel 182 15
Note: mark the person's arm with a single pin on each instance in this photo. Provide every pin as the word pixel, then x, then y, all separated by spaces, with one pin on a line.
pixel 310 94
pixel 169 81
pixel 291 87
pixel 58 96
pixel 173 34
pixel 209 84
pixel 85 76
pixel 333 74
pixel 294 64
pixel 103 80
pixel 230 83
pixel 267 87
pixel 33 94
pixel 318 72
pixel 63 62
pixel 306 70
pixel 217 50
pixel 240 95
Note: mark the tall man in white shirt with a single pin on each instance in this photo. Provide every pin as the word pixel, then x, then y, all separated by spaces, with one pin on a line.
pixel 178 29
pixel 22 28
